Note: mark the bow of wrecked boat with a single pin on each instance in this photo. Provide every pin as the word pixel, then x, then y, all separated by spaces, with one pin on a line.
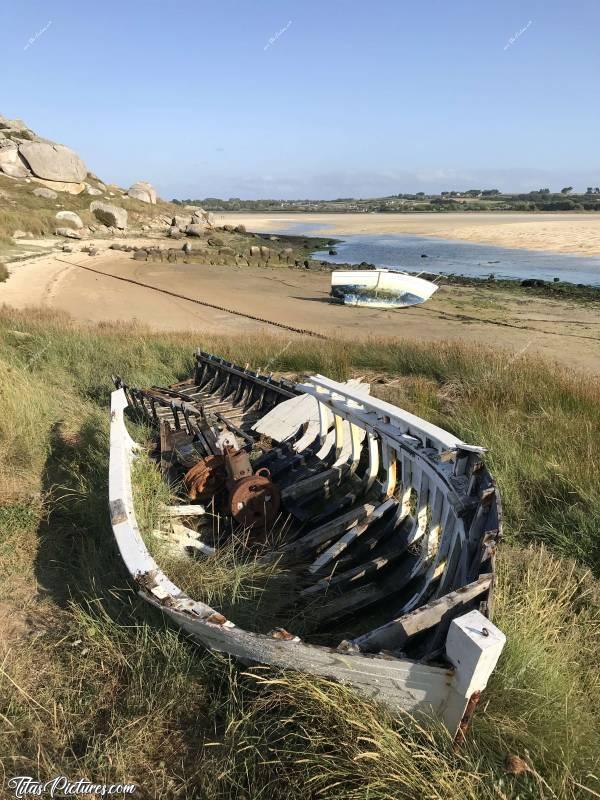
pixel 386 524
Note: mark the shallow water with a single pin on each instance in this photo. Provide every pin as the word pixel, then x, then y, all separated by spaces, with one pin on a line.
pixel 445 256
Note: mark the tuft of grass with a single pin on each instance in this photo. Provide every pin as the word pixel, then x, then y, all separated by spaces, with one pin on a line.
pixel 235 579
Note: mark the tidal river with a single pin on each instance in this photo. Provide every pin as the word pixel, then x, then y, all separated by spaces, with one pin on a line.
pixel 445 256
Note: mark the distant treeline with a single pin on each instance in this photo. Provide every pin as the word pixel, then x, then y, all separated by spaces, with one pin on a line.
pixel 471 200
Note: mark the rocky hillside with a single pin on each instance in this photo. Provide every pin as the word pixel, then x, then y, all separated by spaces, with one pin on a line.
pixel 49 198
pixel 46 189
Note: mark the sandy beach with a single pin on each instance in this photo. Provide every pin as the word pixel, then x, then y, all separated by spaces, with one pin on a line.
pixel 560 233
pixel 560 331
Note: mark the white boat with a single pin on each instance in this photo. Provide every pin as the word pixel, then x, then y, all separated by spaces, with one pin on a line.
pixel 380 288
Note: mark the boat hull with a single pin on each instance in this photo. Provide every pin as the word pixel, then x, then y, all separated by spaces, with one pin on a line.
pixel 380 288
pixel 455 525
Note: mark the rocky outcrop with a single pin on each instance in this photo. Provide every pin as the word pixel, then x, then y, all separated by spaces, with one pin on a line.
pixel 70 216
pixel 144 191
pixel 107 214
pixel 12 124
pixel 24 154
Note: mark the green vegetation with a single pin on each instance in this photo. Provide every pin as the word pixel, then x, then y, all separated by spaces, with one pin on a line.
pixel 470 200
pixel 93 683
pixel 22 210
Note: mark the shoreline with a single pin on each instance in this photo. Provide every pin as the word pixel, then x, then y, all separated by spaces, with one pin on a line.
pixel 510 318
pixel 557 232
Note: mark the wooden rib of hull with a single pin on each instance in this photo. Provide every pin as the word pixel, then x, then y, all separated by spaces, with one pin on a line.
pixel 392 523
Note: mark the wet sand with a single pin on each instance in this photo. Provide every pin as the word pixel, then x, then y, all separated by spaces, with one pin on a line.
pixel 563 331
pixel 559 233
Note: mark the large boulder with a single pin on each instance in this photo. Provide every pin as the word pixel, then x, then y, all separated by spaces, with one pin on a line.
pixel 92 190
pixel 107 214
pixel 195 230
pixel 53 162
pixel 144 191
pixel 70 216
pixel 47 194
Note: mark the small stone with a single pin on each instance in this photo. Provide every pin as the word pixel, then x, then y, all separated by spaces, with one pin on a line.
pixel 68 232
pixel 48 194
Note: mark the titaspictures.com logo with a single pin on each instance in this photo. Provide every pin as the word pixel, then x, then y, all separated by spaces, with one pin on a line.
pixel 61 786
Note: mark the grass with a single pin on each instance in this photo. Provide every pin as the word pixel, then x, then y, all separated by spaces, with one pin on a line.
pixel 233 576
pixel 117 696
pixel 22 210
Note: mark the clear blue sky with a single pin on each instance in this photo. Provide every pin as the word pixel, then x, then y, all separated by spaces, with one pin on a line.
pixel 352 98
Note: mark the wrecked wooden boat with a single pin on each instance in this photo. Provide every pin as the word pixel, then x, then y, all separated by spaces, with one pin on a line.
pixel 380 288
pixel 384 525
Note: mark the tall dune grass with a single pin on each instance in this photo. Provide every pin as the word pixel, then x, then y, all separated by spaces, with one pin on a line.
pixel 92 682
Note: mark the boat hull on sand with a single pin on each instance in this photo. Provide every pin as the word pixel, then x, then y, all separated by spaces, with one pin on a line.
pixel 380 288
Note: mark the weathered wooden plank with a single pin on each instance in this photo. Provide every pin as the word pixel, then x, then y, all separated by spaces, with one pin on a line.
pixel 191 510
pixel 389 552
pixel 394 635
pixel 310 541
pixel 350 536
pixel 329 477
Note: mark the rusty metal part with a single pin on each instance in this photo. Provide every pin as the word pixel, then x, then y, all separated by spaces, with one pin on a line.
pixel 237 463
pixel 282 634
pixel 461 733
pixel 206 478
pixel 254 500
